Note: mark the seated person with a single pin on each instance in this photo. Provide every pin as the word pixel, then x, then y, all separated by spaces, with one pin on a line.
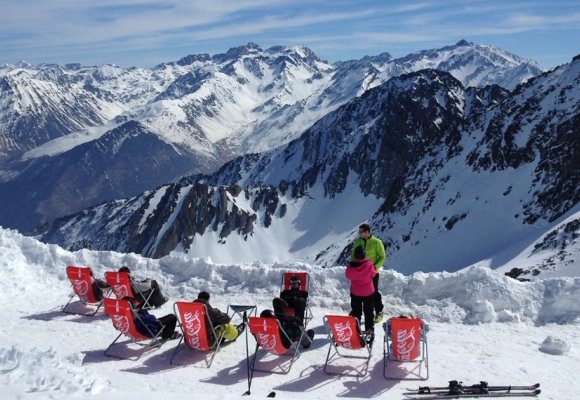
pixel 220 321
pixel 295 298
pixel 293 328
pixel 100 287
pixel 142 290
pixel 148 325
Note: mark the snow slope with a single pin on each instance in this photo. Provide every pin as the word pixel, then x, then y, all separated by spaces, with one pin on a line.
pixel 483 326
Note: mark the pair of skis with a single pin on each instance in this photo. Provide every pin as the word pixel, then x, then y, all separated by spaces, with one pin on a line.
pixel 456 390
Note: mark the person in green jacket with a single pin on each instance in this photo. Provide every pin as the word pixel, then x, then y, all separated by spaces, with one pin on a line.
pixel 376 252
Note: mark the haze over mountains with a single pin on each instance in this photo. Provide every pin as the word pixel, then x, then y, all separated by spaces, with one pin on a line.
pixel 448 175
pixel 74 136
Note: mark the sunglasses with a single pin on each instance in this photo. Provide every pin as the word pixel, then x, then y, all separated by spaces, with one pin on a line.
pixel 361 231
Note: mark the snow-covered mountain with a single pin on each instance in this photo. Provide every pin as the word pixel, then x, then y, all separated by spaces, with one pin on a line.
pixel 205 108
pixel 449 176
pixel 33 111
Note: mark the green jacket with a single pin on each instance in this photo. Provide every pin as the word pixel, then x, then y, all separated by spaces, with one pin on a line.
pixel 374 249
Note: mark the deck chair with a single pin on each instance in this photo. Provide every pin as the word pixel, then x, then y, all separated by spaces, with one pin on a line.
pixel 343 331
pixel 405 341
pixel 193 320
pixel 268 333
pixel 121 284
pixel 305 285
pixel 80 279
pixel 122 315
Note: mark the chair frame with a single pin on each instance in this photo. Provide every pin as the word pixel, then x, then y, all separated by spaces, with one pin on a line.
pixel 144 305
pixel 98 304
pixel 153 341
pixel 294 345
pixel 308 316
pixel 387 352
pixel 218 342
pixel 337 354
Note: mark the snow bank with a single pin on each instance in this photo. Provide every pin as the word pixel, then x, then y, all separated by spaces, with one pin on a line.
pixel 475 295
pixel 555 345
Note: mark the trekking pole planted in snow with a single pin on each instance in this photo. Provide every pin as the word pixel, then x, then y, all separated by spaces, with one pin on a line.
pixel 245 318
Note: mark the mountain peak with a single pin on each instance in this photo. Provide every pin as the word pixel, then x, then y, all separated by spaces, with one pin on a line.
pixel 462 43
pixel 237 52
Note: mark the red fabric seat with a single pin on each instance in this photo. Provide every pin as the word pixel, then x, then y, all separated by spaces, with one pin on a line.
pixel 80 279
pixel 82 284
pixel 193 321
pixel 122 315
pixel 120 312
pixel 268 334
pixel 344 332
pixel 121 285
pixel 406 341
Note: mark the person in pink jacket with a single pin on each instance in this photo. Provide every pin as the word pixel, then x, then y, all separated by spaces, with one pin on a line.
pixel 360 272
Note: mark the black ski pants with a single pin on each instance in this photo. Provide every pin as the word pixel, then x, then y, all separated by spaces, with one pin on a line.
pixel 360 304
pixel 168 321
pixel 299 305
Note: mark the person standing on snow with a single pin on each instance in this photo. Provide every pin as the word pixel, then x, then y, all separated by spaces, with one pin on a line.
pixel 375 251
pixel 361 272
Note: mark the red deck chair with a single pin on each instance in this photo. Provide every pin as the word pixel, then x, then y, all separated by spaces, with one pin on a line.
pixel 80 278
pixel 406 341
pixel 121 285
pixel 304 285
pixel 267 332
pixel 122 315
pixel 193 320
pixel 343 331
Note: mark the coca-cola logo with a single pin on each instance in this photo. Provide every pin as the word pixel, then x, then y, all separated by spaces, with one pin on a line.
pixel 343 333
pixel 192 329
pixel 405 344
pixel 121 322
pixel 121 291
pixel 268 342
pixel 82 288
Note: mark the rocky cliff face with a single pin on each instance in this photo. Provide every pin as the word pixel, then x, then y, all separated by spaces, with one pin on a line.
pixel 364 146
pixel 508 172
pixel 156 223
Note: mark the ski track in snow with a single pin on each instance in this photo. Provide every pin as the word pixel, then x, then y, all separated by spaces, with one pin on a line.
pixel 48 354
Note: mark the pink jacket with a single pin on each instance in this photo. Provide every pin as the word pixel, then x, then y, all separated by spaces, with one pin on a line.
pixel 361 273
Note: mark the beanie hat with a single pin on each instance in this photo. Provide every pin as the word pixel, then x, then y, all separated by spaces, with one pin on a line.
pixel 359 253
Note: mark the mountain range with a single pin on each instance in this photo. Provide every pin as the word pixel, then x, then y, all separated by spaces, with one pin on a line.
pixel 448 176
pixel 74 136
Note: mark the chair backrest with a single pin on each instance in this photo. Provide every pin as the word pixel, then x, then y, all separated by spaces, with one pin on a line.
pixel 194 321
pixel 82 284
pixel 120 283
pixel 345 331
pixel 304 280
pixel 267 333
pixel 120 312
pixel 405 334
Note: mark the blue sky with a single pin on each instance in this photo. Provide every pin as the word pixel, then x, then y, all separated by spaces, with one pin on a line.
pixel 145 33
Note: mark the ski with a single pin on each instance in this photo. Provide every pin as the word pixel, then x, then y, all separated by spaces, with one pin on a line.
pixel 454 385
pixel 472 395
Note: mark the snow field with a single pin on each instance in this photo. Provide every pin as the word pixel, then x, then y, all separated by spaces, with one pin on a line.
pixel 48 354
